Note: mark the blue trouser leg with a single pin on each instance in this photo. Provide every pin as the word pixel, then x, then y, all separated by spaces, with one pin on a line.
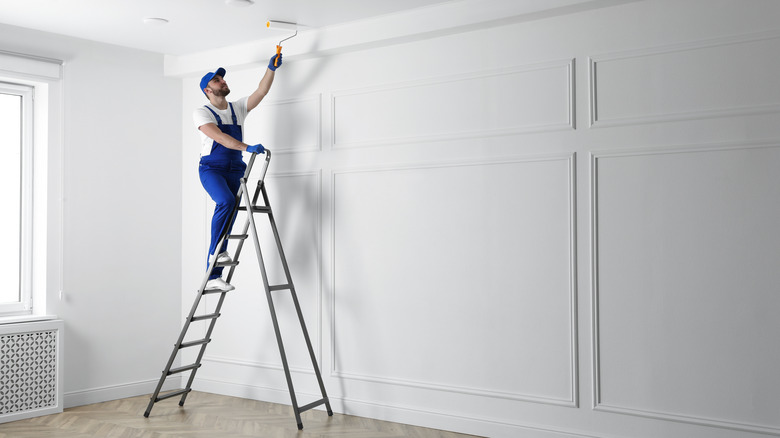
pixel 222 184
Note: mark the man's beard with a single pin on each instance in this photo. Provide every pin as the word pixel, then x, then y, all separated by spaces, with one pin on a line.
pixel 222 92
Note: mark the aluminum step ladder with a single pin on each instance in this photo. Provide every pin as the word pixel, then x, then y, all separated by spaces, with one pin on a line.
pixel 249 226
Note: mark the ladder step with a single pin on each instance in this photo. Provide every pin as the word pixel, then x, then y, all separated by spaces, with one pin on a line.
pixel 202 317
pixel 225 264
pixel 215 291
pixel 279 287
pixel 312 405
pixel 183 369
pixel 238 236
pixel 172 394
pixel 257 209
pixel 194 343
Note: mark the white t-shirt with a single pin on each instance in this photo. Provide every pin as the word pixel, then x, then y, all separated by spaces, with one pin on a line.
pixel 202 116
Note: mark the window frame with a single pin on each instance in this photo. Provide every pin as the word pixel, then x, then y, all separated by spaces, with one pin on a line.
pixel 47 78
pixel 25 304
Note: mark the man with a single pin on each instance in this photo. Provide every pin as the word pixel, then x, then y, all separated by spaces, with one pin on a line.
pixel 221 163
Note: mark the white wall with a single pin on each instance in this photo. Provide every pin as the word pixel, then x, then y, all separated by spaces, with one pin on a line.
pixel 542 228
pixel 556 227
pixel 120 174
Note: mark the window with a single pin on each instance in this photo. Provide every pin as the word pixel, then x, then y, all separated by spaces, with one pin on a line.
pixel 16 186
pixel 31 139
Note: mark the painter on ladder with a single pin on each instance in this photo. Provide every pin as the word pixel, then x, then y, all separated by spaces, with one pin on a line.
pixel 221 163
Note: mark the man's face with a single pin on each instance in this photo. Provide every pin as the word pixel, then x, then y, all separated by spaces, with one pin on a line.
pixel 218 86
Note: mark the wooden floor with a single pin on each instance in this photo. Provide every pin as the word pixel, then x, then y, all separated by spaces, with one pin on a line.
pixel 205 415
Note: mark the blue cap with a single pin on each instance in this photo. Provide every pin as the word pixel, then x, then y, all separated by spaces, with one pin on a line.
pixel 205 81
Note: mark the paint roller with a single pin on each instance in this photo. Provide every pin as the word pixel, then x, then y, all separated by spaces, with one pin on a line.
pixel 285 26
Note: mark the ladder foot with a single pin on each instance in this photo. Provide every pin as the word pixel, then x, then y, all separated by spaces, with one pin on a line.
pixel 146 414
pixel 330 413
pixel 300 426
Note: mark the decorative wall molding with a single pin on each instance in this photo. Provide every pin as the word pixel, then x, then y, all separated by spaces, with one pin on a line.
pixel 313 120
pixel 597 403
pixel 567 122
pixel 572 401
pixel 729 110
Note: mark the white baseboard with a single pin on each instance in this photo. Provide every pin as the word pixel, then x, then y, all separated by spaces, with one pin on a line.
pixel 115 392
pixel 249 391
pixel 397 414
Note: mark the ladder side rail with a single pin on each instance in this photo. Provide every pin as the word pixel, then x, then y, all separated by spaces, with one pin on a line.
pixel 244 229
pixel 225 233
pixel 196 303
pixel 264 169
pixel 237 253
pixel 298 310
pixel 273 315
pixel 202 351
pixel 182 335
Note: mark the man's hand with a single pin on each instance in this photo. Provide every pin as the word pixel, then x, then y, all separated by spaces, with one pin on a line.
pixel 255 149
pixel 271 63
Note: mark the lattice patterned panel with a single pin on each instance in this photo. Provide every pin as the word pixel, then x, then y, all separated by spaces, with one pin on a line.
pixel 28 371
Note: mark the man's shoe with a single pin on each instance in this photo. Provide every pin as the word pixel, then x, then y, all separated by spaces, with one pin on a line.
pixel 218 284
pixel 224 257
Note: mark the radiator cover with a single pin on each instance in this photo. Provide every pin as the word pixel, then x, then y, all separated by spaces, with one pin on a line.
pixel 30 369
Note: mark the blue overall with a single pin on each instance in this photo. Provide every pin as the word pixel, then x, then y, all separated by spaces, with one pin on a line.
pixel 220 174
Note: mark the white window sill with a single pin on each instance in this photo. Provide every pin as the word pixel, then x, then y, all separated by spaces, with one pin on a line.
pixel 25 318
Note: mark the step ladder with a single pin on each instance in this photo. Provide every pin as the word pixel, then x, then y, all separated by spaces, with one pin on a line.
pixel 249 226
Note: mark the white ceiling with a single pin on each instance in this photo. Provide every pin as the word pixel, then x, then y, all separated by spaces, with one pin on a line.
pixel 199 25
pixel 194 25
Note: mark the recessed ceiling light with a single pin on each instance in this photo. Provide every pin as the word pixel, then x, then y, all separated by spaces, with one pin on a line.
pixel 154 21
pixel 239 2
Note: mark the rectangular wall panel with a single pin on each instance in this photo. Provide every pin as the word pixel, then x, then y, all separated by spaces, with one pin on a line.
pixel 686 255
pixel 530 99
pixel 457 286
pixel 696 80
pixel 291 125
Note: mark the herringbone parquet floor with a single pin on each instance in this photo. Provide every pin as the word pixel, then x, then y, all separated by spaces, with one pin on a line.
pixel 206 416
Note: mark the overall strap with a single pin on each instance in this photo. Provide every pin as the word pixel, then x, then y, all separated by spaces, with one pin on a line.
pixel 219 121
pixel 233 112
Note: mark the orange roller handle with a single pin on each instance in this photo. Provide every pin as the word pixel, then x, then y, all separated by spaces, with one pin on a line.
pixel 278 52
